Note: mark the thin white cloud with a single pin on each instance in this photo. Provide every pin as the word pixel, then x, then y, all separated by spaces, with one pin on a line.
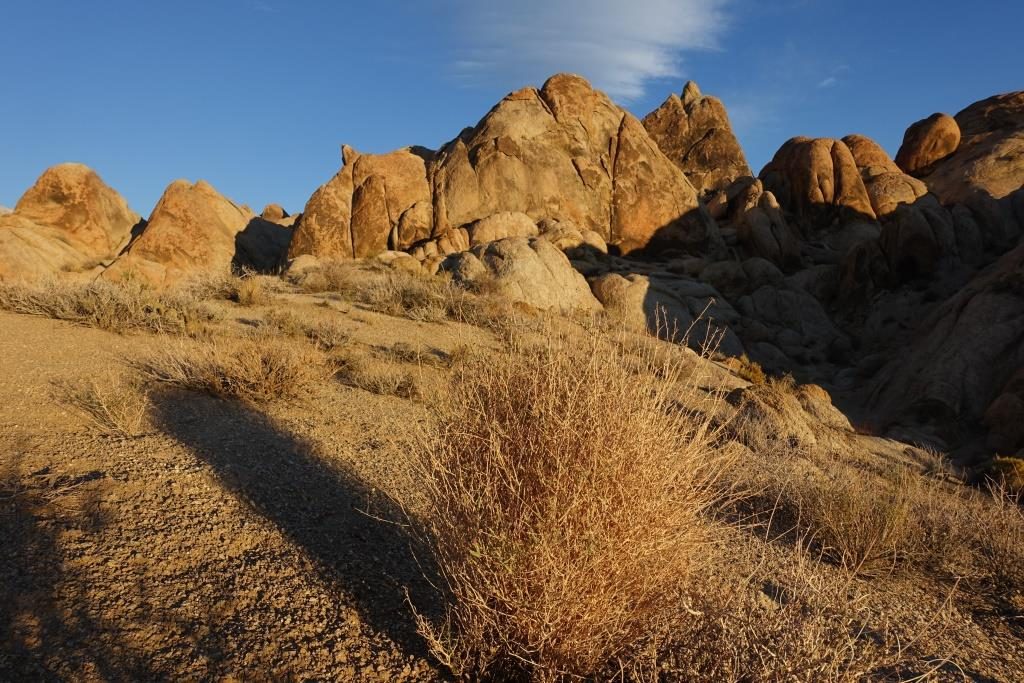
pixel 828 82
pixel 619 45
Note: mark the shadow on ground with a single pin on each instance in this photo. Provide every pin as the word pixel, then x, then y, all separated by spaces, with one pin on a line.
pixel 48 632
pixel 350 531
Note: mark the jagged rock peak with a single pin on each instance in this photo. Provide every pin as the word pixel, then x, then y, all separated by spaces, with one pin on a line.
pixel 691 93
pixel 695 133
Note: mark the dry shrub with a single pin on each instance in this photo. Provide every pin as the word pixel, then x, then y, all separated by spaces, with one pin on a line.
pixel 747 369
pixel 363 371
pixel 864 524
pixel 251 291
pixel 114 405
pixel 416 296
pixel 114 306
pixel 252 369
pixel 324 334
pixel 1008 471
pixel 565 502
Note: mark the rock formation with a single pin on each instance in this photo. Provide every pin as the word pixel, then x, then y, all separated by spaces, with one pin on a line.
pixel 194 229
pixel 990 156
pixel 564 152
pixel 375 201
pixel 694 132
pixel 527 270
pixel 817 179
pixel 926 142
pixel 69 220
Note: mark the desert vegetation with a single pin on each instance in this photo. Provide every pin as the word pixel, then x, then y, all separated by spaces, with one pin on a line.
pixel 590 503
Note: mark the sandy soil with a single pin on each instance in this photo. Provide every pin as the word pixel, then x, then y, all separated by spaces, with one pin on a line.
pixel 227 543
pixel 239 543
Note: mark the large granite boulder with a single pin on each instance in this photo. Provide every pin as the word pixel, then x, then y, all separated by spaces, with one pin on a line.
pixel 69 220
pixel 990 156
pixel 817 179
pixel 926 142
pixel 887 185
pixel 567 152
pixel 528 270
pixel 193 230
pixel 564 152
pixel 961 354
pixel 693 130
pixel 375 202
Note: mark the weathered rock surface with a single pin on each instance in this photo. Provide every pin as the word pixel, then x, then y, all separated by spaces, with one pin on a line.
pixel 529 270
pixel 695 133
pixel 926 142
pixel 817 179
pixel 565 152
pixel 69 220
pixel 194 229
pixel 961 354
pixel 887 185
pixel 990 156
pixel 374 202
pixel 671 308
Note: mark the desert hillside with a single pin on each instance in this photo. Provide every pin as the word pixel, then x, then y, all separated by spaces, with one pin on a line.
pixel 576 396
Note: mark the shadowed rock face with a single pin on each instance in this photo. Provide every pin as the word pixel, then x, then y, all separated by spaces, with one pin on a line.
pixel 68 220
pixel 693 130
pixel 564 152
pixel 194 229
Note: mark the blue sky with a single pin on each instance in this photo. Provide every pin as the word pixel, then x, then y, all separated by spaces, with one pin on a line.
pixel 256 96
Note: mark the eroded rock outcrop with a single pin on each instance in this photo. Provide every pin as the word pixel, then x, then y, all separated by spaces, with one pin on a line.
pixel 926 142
pixel 887 185
pixel 961 355
pixel 564 152
pixel 194 229
pixel 817 179
pixel 990 156
pixel 375 202
pixel 693 130
pixel 527 270
pixel 69 220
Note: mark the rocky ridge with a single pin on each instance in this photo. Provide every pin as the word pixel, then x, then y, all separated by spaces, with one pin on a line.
pixel 870 276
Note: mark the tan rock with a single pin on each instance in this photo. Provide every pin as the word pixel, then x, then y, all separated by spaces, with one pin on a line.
pixel 990 156
pixel 887 185
pixel 273 213
pixel 68 220
pixel 526 270
pixel 815 178
pixel 926 142
pixel 374 202
pixel 695 133
pixel 567 152
pixel 193 230
pixel 501 225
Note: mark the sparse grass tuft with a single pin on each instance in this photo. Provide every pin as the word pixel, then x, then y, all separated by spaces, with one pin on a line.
pixel 865 524
pixel 117 307
pixel 421 297
pixel 748 369
pixel 251 291
pixel 324 334
pixel 565 510
pixel 115 406
pixel 361 370
pixel 252 369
